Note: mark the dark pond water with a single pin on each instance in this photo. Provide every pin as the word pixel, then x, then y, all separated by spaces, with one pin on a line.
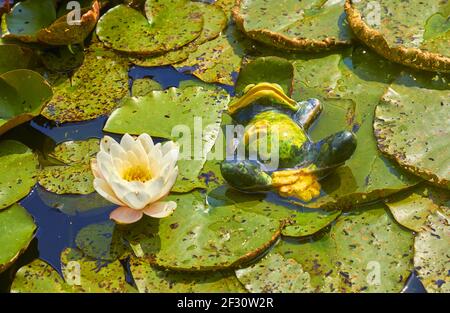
pixel 57 230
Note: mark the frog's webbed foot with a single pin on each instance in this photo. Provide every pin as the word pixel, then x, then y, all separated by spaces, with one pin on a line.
pixel 299 183
pixel 308 112
pixel 246 175
pixel 331 152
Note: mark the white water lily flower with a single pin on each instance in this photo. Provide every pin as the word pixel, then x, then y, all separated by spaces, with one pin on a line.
pixel 136 175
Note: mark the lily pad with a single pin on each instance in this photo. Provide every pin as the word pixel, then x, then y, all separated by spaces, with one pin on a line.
pixel 94 90
pixel 275 274
pixel 431 253
pixel 294 25
pixel 407 34
pixel 214 20
pixel 14 185
pixel 16 232
pixel 88 276
pixel 199 237
pixel 101 241
pixel 148 279
pixel 218 60
pixel 75 176
pixel 266 69
pixel 24 93
pixel 37 21
pixel 13 57
pixel 349 87
pixel 159 112
pixel 412 208
pixel 63 59
pixel 38 277
pixel 409 129
pixel 297 221
pixel 144 86
pixel 169 25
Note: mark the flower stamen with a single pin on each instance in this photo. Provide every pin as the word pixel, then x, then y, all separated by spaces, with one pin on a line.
pixel 137 173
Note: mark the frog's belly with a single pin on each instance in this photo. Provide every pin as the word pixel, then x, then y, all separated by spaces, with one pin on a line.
pixel 272 133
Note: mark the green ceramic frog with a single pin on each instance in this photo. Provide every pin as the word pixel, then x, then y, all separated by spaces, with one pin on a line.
pixel 265 111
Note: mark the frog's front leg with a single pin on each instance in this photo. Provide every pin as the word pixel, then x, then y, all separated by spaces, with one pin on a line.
pixel 246 175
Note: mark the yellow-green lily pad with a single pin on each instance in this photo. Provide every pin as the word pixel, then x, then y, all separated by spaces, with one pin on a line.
pixel 94 90
pixel 149 279
pixel 14 57
pixel 16 232
pixel 168 25
pixel 294 25
pixel 16 184
pixel 410 126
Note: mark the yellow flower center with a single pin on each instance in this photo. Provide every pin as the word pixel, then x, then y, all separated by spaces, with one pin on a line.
pixel 137 173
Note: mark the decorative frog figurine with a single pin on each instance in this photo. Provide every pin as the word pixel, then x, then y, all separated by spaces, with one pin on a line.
pixel 265 111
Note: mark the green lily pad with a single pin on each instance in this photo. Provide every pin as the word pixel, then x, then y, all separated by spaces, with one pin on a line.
pixel 14 57
pixel 24 94
pixel 14 185
pixel 269 70
pixel 37 21
pixel 412 208
pixel 94 90
pixel 215 21
pixel 275 274
pixel 75 176
pixel 63 59
pixel 144 86
pixel 218 60
pixel 349 87
pixel 414 33
pixel 75 179
pixel 16 232
pixel 160 111
pixel 169 25
pixel 88 276
pixel 38 277
pixel 199 237
pixel 431 253
pixel 409 128
pixel 101 241
pixel 294 25
pixel 148 279
pixel 374 253
pixel 297 221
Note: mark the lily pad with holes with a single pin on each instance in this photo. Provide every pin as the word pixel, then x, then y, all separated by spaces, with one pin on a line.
pixel 38 277
pixel 75 175
pixel 172 114
pixel 414 33
pixel 24 94
pixel 86 275
pixel 413 207
pixel 16 232
pixel 431 253
pixel 218 60
pixel 275 274
pixel 294 25
pixel 297 221
pixel 37 21
pixel 168 25
pixel 411 128
pixel 149 279
pixel 200 237
pixel 94 90
pixel 101 241
pixel 214 21
pixel 14 185
pixel 349 87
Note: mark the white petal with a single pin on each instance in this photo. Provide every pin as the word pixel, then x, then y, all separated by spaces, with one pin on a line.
pixel 146 142
pixel 116 151
pixel 144 194
pixel 160 209
pixel 169 146
pixel 103 189
pixel 127 142
pixel 124 215
pixel 95 169
pixel 106 142
pixel 170 181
